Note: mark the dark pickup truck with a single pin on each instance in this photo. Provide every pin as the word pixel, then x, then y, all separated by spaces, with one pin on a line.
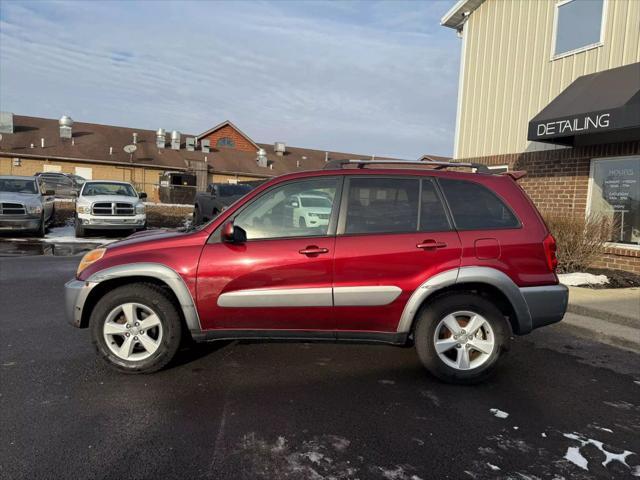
pixel 216 199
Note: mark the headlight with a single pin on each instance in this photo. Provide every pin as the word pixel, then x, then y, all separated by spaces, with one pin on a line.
pixel 83 209
pixel 89 258
pixel 34 209
pixel 140 208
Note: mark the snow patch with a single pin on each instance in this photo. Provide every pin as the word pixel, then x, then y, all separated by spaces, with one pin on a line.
pixel 575 456
pixel 493 467
pixel 498 413
pixel 386 382
pixel 578 278
pixel 68 235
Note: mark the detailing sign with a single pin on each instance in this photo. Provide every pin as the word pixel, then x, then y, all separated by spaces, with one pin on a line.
pixel 573 126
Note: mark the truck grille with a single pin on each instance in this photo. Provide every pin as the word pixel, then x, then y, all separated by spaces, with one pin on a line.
pixel 113 208
pixel 12 209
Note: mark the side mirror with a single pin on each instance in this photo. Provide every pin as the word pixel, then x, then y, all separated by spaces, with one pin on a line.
pixel 295 204
pixel 232 234
pixel 142 195
pixel 49 192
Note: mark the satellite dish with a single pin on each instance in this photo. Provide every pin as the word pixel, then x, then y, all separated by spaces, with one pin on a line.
pixel 130 148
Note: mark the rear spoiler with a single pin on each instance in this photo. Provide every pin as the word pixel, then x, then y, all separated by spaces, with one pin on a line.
pixel 515 174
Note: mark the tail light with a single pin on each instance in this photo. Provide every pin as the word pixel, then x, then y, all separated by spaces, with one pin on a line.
pixel 550 248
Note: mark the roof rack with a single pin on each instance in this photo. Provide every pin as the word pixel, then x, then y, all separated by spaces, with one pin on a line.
pixel 436 165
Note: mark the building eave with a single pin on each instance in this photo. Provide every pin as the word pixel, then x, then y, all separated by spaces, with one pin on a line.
pixel 87 160
pixel 457 14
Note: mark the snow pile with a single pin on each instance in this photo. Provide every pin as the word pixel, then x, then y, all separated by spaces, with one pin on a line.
pixel 499 413
pixel 578 278
pixel 67 235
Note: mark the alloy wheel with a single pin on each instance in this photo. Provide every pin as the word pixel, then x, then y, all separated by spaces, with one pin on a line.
pixel 464 340
pixel 132 331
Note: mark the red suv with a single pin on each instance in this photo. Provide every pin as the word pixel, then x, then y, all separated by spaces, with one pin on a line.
pixel 451 262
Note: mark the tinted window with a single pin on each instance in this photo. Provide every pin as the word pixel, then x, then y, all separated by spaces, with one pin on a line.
pixel 273 215
pixel 578 25
pixel 474 207
pixel 432 215
pixel 15 185
pixel 229 190
pixel 92 189
pixel 382 205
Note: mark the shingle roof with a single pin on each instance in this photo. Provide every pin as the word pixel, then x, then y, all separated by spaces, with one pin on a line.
pixel 91 143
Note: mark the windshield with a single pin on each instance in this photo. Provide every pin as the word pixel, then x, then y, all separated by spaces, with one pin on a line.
pixel 104 188
pixel 15 185
pixel 318 202
pixel 231 190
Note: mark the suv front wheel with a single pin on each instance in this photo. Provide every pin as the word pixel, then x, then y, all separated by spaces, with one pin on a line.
pixel 460 337
pixel 136 328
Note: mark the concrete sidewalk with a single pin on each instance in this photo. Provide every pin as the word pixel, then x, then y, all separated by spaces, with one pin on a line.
pixel 609 316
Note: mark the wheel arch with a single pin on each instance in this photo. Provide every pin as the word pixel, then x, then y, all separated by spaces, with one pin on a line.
pixel 157 274
pixel 484 281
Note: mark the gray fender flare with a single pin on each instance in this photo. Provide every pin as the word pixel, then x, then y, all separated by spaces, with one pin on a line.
pixel 486 275
pixel 164 274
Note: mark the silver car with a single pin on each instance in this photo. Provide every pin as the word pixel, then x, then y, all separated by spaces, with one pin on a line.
pixel 25 205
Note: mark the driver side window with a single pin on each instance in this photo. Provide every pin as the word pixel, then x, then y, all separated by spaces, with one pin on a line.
pixel 297 209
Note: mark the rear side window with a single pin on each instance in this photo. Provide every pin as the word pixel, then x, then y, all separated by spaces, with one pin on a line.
pixel 432 215
pixel 474 207
pixel 382 205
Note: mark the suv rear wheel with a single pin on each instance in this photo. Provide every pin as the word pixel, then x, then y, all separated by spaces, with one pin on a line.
pixel 136 328
pixel 460 337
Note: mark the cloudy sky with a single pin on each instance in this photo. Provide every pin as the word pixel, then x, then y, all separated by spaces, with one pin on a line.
pixel 372 77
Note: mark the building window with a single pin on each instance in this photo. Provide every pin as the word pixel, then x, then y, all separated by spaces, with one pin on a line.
pixel 225 142
pixel 579 25
pixel 615 194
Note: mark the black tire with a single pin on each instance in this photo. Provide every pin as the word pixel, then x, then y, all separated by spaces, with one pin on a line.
pixel 42 228
pixel 80 232
pixel 197 216
pixel 425 331
pixel 153 297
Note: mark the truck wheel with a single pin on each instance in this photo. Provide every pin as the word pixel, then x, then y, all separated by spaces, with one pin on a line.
pixel 42 228
pixel 79 229
pixel 197 216
pixel 460 337
pixel 136 328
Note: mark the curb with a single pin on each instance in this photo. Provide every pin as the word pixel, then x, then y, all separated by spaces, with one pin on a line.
pixel 604 331
pixel 611 317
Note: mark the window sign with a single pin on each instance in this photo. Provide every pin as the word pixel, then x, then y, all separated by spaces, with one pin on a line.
pixel 615 194
pixel 578 25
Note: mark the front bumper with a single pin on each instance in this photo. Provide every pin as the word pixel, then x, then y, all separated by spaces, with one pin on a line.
pixel 19 222
pixel 112 222
pixel 546 304
pixel 76 293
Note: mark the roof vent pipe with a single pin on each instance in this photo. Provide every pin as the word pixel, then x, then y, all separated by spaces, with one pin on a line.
pixel 42 143
pixel 66 126
pixel 161 138
pixel 262 158
pixel 110 150
pixel 279 148
pixel 175 140
pixel 135 138
pixel 326 156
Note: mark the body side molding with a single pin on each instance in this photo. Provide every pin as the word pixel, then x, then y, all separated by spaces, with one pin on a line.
pixel 365 296
pixel 162 273
pixel 278 297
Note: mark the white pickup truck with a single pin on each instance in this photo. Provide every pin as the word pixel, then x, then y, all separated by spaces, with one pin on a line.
pixel 109 205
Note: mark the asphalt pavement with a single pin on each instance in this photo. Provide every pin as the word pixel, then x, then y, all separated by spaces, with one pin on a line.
pixel 559 406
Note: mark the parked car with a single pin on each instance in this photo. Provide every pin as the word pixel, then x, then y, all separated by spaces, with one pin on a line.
pixel 217 198
pixel 451 262
pixel 312 209
pixel 109 205
pixel 64 185
pixel 25 205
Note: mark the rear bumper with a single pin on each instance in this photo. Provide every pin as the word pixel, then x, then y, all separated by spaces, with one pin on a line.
pixel 19 223
pixel 546 304
pixel 76 293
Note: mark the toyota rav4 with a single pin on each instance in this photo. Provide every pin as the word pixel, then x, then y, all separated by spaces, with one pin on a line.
pixel 452 262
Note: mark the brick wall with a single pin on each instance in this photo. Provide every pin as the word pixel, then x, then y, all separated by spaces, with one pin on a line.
pixel 558 180
pixel 144 179
pixel 241 143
